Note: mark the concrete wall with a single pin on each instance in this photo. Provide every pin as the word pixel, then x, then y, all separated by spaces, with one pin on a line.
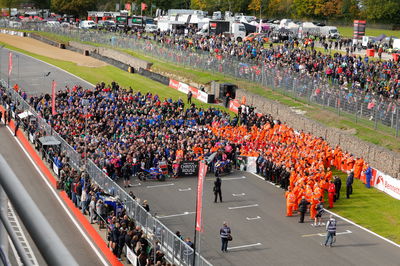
pixel 115 55
pixel 378 157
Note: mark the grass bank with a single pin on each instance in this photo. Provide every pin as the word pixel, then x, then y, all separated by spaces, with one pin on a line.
pixel 370 208
pixel 348 32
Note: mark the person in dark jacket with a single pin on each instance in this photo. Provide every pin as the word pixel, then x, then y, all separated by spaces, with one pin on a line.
pixel 217 189
pixel 349 184
pixel 338 186
pixel 303 208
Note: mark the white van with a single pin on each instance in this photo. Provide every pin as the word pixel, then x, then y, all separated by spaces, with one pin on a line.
pixel 150 28
pixel 87 24
pixel 330 32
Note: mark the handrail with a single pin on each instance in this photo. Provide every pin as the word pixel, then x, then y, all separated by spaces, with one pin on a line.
pixel 49 244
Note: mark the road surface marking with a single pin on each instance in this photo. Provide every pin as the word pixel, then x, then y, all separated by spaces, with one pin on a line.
pixel 262 178
pixel 184 189
pixel 233 178
pixel 47 182
pixel 322 224
pixel 324 234
pixel 163 185
pixel 135 185
pixel 254 218
pixel 175 215
pixel 351 222
pixel 241 207
pixel 239 195
pixel 245 246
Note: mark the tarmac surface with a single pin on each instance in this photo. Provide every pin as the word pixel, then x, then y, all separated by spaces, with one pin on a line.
pixel 262 234
pixel 30 74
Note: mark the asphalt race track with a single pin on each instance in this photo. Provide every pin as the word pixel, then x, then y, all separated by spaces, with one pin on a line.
pixel 253 208
pixel 30 74
pixel 262 235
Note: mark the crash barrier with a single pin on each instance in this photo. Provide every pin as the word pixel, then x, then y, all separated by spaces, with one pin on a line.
pixel 154 76
pixel 13 32
pixel 196 93
pixel 175 250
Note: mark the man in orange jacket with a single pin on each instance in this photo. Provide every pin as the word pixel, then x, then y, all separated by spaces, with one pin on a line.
pixel 331 193
pixel 313 207
pixel 290 202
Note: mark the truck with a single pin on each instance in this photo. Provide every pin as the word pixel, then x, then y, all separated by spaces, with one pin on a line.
pixel 236 31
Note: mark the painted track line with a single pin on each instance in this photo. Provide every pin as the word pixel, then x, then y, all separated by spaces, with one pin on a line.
pixel 241 207
pixel 350 222
pixel 50 181
pixel 175 215
pixel 245 246
pixel 163 185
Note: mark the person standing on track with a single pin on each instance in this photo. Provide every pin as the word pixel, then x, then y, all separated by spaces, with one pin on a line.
pixel 303 208
pixel 225 234
pixel 217 189
pixel 330 231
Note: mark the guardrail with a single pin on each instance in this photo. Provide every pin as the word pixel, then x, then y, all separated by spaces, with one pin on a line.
pixel 174 248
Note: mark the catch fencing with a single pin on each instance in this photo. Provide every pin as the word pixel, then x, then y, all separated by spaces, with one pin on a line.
pixel 370 109
pixel 175 249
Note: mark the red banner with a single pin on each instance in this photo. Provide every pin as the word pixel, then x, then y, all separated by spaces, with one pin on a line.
pixel 53 94
pixel 200 182
pixel 10 63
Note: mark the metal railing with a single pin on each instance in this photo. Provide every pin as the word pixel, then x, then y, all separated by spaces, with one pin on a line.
pixel 49 244
pixel 175 250
pixel 370 109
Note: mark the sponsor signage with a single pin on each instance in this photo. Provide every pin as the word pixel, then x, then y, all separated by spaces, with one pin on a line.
pixel 188 168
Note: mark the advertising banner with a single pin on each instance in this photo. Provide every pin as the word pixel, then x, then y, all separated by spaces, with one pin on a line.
pixel 200 182
pixel 387 184
pixel 188 168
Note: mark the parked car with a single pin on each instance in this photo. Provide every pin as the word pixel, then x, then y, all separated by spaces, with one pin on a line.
pixel 107 24
pixel 87 24
pixel 256 36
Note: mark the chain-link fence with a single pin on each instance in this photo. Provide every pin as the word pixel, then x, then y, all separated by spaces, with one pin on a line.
pixel 175 250
pixel 369 109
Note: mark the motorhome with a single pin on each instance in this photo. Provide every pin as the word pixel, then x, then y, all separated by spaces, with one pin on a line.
pixel 235 30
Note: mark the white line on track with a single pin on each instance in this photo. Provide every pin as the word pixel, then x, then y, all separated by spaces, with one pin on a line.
pixel 175 215
pixel 245 246
pixel 233 178
pixel 239 195
pixel 351 222
pixel 241 207
pixel 253 218
pixel 163 185
pixel 184 189
pixel 85 236
pixel 324 234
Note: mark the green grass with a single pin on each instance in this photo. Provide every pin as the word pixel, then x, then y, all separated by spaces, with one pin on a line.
pixel 111 73
pixel 370 208
pixel 348 32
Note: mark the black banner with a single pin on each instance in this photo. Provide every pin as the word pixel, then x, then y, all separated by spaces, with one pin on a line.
pixel 189 168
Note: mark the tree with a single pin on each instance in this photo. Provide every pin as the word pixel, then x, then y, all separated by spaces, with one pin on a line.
pixel 255 5
pixel 381 10
pixel 280 8
pixel 9 4
pixel 73 7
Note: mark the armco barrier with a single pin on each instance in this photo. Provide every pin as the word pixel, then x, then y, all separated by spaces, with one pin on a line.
pixel 176 250
pixel 154 76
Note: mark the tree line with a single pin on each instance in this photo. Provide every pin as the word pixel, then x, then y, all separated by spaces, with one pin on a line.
pixel 377 11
